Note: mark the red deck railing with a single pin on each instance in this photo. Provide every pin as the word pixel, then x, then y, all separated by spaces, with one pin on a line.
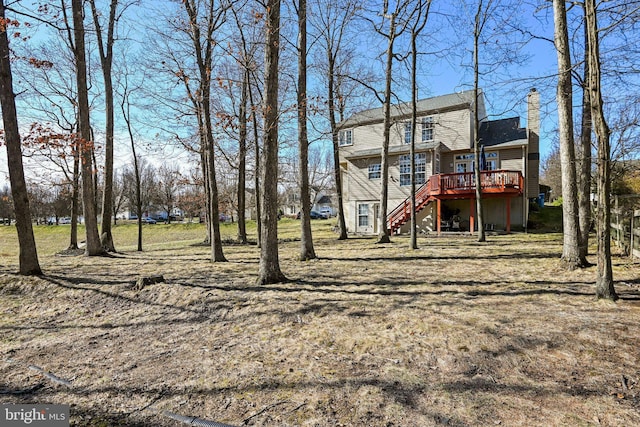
pixel 452 185
pixel 498 181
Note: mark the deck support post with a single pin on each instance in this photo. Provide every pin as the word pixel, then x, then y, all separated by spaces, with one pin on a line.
pixel 508 215
pixel 438 216
pixel 472 213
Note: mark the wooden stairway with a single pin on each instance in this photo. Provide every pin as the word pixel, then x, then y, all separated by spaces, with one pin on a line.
pixel 402 213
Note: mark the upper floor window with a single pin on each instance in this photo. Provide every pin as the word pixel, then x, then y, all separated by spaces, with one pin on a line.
pixel 437 164
pixel 405 169
pixel 345 137
pixel 428 125
pixel 407 132
pixel 375 171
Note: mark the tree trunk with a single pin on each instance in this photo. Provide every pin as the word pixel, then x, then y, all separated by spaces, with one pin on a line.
pixel 28 256
pixel 75 199
pixel 257 173
pixel 604 274
pixel 476 126
pixel 307 251
pixel 383 231
pixel 337 176
pixel 413 244
pixel 269 261
pixel 106 60
pixel 584 193
pixel 217 254
pixel 242 162
pixel 571 233
pixel 125 107
pixel 93 245
pixel 204 55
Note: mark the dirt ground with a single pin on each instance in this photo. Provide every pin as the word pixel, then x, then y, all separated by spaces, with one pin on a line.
pixel 456 333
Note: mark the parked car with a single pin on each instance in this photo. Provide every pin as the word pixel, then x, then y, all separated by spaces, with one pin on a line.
pixel 326 211
pixel 149 220
pixel 313 215
pixel 64 220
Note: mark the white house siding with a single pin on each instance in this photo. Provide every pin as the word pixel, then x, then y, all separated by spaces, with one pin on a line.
pixel 453 129
pixel 511 159
pixel 367 137
pixel 360 189
pixel 447 162
pixel 495 210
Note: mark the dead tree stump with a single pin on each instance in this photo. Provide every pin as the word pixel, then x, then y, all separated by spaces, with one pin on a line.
pixel 148 280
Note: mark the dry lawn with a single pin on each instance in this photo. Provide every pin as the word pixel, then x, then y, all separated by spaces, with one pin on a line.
pixel 456 333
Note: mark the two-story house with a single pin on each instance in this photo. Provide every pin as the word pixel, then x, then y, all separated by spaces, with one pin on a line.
pixel 444 162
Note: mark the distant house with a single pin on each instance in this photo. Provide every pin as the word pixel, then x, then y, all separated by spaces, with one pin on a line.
pixel 444 166
pixel 324 204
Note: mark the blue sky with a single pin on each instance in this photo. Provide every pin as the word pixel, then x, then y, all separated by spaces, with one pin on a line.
pixel 442 74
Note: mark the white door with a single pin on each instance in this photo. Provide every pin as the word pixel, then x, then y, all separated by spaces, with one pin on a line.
pixel 365 220
pixel 376 218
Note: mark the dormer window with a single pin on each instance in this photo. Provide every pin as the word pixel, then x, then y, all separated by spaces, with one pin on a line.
pixel 427 129
pixel 345 137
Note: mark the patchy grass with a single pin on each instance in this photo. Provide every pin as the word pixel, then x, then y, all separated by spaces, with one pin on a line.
pixel 546 220
pixel 456 333
pixel 50 240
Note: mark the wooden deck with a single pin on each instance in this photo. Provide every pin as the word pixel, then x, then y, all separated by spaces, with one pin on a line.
pixel 463 185
pixel 498 183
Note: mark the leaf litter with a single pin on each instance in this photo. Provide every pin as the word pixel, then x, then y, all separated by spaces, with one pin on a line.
pixel 456 333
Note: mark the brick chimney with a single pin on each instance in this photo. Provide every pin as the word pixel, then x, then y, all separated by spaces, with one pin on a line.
pixel 533 136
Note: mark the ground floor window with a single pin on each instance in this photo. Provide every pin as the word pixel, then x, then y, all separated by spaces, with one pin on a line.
pixel 405 169
pixel 363 215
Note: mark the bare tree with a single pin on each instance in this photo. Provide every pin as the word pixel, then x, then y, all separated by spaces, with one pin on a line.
pixel 119 198
pixel 422 15
pixel 571 255
pixel 136 199
pixel 604 276
pixel 269 260
pixel 331 22
pixel 242 158
pixel 246 61
pixel 479 23
pixel 28 256
pixel 551 172
pixel 52 96
pixel 167 184
pixel 306 241
pixel 93 245
pixel 395 30
pixel 584 157
pixel 105 49
pixel 201 31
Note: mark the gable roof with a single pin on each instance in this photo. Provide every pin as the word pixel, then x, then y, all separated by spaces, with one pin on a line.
pixel 496 132
pixel 451 101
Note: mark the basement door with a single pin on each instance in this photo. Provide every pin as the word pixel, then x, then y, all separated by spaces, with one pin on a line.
pixel 365 220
